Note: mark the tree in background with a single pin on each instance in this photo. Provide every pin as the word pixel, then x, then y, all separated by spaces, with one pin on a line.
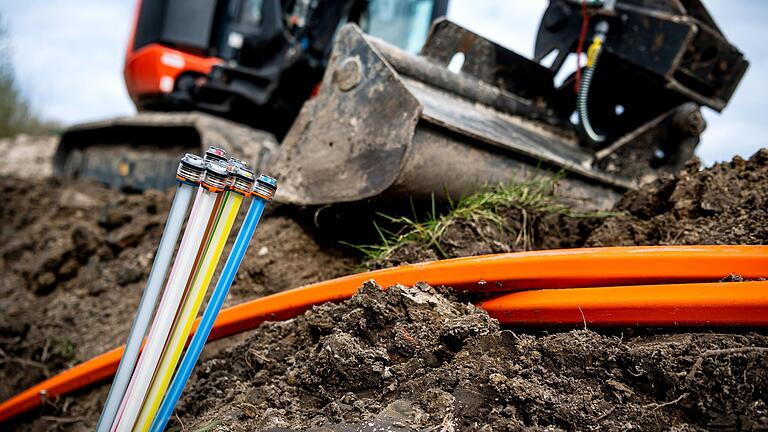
pixel 16 113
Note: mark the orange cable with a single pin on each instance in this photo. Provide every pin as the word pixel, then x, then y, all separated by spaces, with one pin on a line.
pixel 698 304
pixel 568 268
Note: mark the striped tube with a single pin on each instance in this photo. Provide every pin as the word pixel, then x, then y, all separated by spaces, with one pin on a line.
pixel 190 308
pixel 267 186
pixel 205 202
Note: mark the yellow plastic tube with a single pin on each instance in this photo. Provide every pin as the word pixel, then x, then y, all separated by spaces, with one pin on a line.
pixel 191 307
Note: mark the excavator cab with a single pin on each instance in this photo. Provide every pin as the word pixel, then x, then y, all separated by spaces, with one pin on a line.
pixel 230 73
pixel 254 61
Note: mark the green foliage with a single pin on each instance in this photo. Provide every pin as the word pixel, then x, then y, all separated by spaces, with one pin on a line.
pixel 531 197
pixel 16 113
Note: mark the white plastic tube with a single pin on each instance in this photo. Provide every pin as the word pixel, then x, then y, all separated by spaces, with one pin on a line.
pixel 147 304
pixel 205 203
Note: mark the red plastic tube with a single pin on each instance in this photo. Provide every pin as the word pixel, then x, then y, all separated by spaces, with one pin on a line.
pixel 571 268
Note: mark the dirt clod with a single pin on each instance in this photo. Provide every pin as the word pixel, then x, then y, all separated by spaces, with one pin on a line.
pixel 725 204
pixel 419 359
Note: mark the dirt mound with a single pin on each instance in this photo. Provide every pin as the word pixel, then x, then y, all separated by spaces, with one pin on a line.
pixel 724 204
pixel 413 358
pixel 75 257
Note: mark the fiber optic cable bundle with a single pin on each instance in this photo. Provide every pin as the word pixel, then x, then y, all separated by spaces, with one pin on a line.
pixel 190 172
pixel 263 191
pixel 239 186
pixel 195 232
pixel 195 239
pixel 222 184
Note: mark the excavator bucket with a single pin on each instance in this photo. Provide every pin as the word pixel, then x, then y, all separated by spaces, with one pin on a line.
pixel 389 123
pixel 143 151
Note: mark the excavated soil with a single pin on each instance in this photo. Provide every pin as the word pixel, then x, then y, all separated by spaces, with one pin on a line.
pixel 75 257
pixel 414 358
pixel 725 204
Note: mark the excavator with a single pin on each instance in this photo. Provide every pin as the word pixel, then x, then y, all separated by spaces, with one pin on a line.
pixel 356 100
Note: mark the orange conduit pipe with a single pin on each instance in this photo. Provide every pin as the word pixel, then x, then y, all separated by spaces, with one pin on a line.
pixel 565 268
pixel 569 268
pixel 697 304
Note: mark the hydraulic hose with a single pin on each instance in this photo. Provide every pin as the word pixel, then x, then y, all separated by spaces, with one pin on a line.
pixel 232 201
pixel 188 174
pixel 563 269
pixel 582 99
pixel 196 236
pixel 701 304
pixel 263 192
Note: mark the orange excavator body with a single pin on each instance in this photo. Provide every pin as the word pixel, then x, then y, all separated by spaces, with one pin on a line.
pixel 153 69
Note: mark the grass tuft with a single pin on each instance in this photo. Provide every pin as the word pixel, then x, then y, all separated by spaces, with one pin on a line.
pixel 531 198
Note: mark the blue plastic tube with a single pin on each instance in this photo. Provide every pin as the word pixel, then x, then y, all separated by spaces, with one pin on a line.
pixel 147 303
pixel 211 312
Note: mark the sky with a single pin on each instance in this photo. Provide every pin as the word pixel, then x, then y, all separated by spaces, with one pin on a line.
pixel 68 57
